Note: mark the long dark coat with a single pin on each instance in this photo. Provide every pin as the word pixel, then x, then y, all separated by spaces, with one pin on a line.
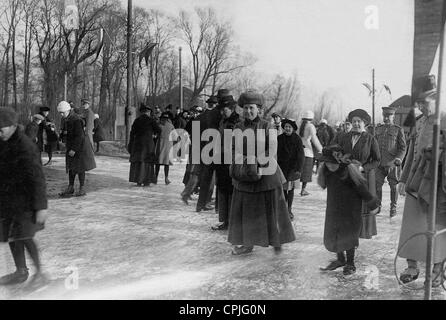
pixel 290 154
pixel 343 213
pixel 224 181
pixel 141 146
pixel 77 140
pixel 22 184
pixel 98 132
pixel 366 151
pixel 31 131
pixel 51 135
pixel 259 213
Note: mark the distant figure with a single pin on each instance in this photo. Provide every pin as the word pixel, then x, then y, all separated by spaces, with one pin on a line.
pixel 98 133
pixel 142 148
pixel 47 135
pixel 87 116
pixel 307 132
pixel 277 119
pixel 32 128
pixel 164 147
pixel 79 156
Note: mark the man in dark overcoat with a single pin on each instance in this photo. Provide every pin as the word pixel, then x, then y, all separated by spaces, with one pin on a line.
pixel 79 156
pixel 32 128
pixel 142 148
pixel 47 136
pixel 23 201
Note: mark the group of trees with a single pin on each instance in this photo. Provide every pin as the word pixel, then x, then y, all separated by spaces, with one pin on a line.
pixel 40 55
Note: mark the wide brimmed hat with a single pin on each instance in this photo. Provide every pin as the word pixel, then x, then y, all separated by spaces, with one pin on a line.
pixel 227 102
pixel 360 113
pixel 42 109
pixel 144 108
pixel 251 97
pixel 309 115
pixel 222 93
pixel 8 117
pixel 212 99
pixel 426 87
pixel 290 122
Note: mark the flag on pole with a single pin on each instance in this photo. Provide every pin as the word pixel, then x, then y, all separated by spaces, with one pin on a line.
pixel 71 16
pixel 368 87
pixel 146 52
pixel 99 45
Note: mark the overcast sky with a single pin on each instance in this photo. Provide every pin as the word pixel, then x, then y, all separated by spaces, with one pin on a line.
pixel 324 41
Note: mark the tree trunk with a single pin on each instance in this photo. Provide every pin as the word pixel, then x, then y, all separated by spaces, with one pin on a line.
pixel 14 71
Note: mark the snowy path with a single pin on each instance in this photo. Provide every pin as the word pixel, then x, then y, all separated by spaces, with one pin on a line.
pixel 144 243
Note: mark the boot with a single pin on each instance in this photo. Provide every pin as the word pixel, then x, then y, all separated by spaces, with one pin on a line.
pixel 68 192
pixel 290 198
pixel 20 276
pixel 393 200
pixel 81 192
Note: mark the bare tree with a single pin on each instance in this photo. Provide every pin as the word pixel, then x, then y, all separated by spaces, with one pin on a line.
pixel 209 44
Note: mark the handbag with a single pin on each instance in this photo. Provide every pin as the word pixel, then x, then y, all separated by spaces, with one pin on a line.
pixel 245 172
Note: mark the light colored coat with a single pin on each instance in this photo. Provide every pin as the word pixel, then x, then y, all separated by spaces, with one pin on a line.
pixel 309 139
pixel 415 212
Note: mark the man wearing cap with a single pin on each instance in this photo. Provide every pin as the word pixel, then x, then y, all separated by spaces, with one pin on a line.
pixel 88 116
pixel 79 156
pixel 392 146
pixel 23 201
pixel 32 128
pixel 415 184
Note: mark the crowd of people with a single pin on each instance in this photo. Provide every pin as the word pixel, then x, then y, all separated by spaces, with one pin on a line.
pixel 256 208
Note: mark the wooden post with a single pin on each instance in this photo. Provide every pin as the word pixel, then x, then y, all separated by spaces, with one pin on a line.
pixel 129 73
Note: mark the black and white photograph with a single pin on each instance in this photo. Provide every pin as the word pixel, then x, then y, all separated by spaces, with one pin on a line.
pixel 233 152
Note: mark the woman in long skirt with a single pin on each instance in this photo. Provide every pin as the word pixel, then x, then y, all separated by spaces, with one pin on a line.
pixel 364 148
pixel 259 213
pixel 346 189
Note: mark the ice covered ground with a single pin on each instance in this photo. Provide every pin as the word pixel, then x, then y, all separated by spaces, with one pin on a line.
pixel 126 242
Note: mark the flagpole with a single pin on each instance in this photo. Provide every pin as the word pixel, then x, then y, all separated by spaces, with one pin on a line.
pixel 373 100
pixel 431 216
pixel 129 72
pixel 181 80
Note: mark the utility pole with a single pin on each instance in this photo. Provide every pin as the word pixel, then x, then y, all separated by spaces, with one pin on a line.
pixel 432 211
pixel 128 111
pixel 373 101
pixel 181 80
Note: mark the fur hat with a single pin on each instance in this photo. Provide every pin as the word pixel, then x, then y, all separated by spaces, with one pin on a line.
pixel 227 102
pixel 38 117
pixel 251 97
pixel 360 113
pixel 8 117
pixel 309 115
pixel 290 122
pixel 63 106
pixel 324 121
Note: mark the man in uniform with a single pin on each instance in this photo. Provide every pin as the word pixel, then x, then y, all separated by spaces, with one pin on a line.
pixel 392 146
pixel 415 184
pixel 88 116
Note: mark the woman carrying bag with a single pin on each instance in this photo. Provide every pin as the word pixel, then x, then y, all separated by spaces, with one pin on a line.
pixel 259 213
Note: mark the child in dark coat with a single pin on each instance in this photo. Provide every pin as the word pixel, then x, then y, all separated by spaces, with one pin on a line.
pixel 346 188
